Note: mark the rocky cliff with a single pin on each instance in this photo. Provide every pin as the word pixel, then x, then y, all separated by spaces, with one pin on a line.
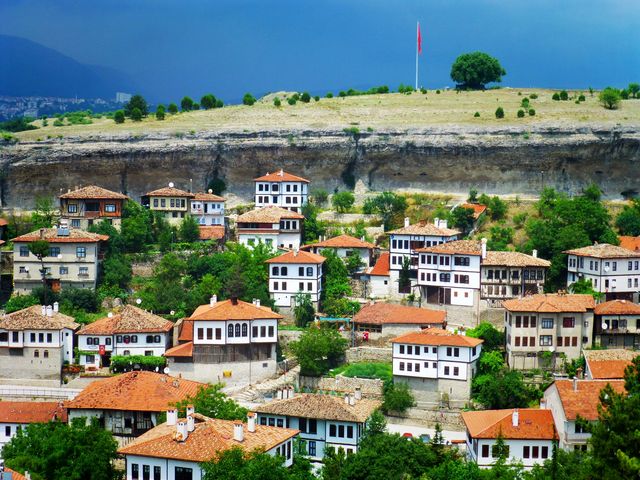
pixel 496 160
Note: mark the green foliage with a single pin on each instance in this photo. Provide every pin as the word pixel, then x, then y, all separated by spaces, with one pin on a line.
pixel 137 101
pixel 524 103
pixel 320 196
pixel 122 363
pixel 397 397
pixel 353 262
pixel 493 338
pixel 500 238
pixel 186 104
pixel 353 131
pixel 390 206
pixel 248 99
pixel 305 97
pixel 473 196
pixel 329 95
pixel 477 114
pixel 39 248
pixel 313 228
pixel 564 95
pixel 474 70
pixel 462 219
pixel 208 101
pixel 499 112
pixel 118 117
pixel 343 201
pixel 581 98
pixel 555 96
pixel 532 112
pixel 20 124
pixel 497 208
pixel 405 88
pixel 503 389
pixel 628 220
pixel 404 277
pixel 610 98
pixel 44 214
pixel 57 451
pixel 376 424
pixel 136 227
pixel 172 108
pixel 189 230
pixel 160 112
pixel 318 350
pixel 634 89
pixel 136 114
pixel 292 101
pixel 236 464
pixel 303 310
pixel 585 286
pixel 520 113
pixel 533 96
pixel 380 370
pixel 277 102
pixel 212 402
pixel 18 302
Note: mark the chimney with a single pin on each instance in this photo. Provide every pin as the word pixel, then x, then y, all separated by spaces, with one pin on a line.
pixel 352 400
pixel 406 222
pixel 534 254
pixel 213 300
pixel 191 423
pixel 281 173
pixel 234 300
pixel 358 393
pixel 346 399
pixel 515 418
pixel 436 222
pixel 543 404
pixel 575 384
pixel 210 191
pixel 172 416
pixel 43 309
pixel 279 393
pixel 580 372
pixel 257 302
pixel 484 248
pixel 238 431
pixel 190 410
pixel 182 431
pixel 56 307
pixel 49 311
pixel 42 234
pixel 251 422
pixel 443 223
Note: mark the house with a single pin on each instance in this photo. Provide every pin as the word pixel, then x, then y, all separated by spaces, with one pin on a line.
pixel 208 209
pixel 17 415
pixel 479 210
pixel 570 399
pixel 617 325
pixel 438 365
pixel 630 243
pixel 127 331
pixel 171 203
pixel 612 270
pixel 273 226
pixel 343 246
pixel 85 206
pixel 176 449
pixel 216 233
pixel 229 341
pixel 281 189
pixel 376 279
pixel 607 364
pixel 404 243
pixel 541 328
pixel 324 421
pixel 128 405
pixel 528 435
pixel 36 342
pixel 505 275
pixel 72 262
pixel 295 272
pixel 389 319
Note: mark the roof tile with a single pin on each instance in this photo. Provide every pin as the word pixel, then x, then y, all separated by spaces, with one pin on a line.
pixel 327 407
pixel 51 236
pixel 550 303
pixel 341 241
pixel 32 318
pixel 585 398
pixel 438 336
pixel 227 310
pixel 298 257
pixel 31 412
pixel 280 176
pixel 617 307
pixel 427 229
pixel 603 250
pixel 169 192
pixel 390 313
pixel 128 319
pixel 533 424
pixel 270 214
pixel 93 191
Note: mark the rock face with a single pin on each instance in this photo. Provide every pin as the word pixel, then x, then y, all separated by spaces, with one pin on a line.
pixel 498 160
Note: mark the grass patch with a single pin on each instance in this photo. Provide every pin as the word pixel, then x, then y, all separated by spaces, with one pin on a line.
pixel 381 370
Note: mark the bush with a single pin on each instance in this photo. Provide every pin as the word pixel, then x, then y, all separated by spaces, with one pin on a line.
pixel 397 397
pixel 208 101
pixel 499 112
pixel 18 302
pixel 329 95
pixel 524 103
pixel 317 98
pixel 564 95
pixel 520 113
pixel 122 363
pixel 291 101
pixel 137 101
pixel 118 117
pixel 343 201
pixel 555 96
pixel 136 114
pixel 320 196
pixel 610 98
pixel 581 98
pixel 477 114
pixel 186 104
pixel 160 112
pixel 533 96
pixel 532 112
pixel 305 97
pixel 438 92
pixel 624 94
pixel 277 102
pixel 248 99
pixel 173 108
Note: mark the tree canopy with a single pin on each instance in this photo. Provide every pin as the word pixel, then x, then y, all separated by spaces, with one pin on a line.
pixel 389 205
pixel 318 350
pixel 137 101
pixel 474 70
pixel 212 402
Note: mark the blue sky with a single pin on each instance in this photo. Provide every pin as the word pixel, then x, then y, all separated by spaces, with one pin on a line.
pixel 228 47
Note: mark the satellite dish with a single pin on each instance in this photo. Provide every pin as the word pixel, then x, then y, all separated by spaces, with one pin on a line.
pixel 604 326
pixel 171 184
pixel 59 256
pixel 138 301
pixel 110 314
pixel 166 370
pixel 172 312
pixel 606 269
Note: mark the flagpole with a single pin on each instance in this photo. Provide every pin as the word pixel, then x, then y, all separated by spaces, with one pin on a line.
pixel 417 46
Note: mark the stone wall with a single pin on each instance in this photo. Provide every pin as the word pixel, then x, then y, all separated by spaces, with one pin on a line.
pixel 370 387
pixel 368 354
pixel 448 419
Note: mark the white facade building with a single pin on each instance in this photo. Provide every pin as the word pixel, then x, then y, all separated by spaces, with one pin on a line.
pixel 15 416
pixel 208 209
pixel 437 364
pixel 612 270
pixel 295 272
pixel 344 246
pixel 171 203
pixel 273 226
pixel 281 189
pixel 377 278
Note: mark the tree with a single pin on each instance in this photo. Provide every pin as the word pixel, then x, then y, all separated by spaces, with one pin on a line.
pixel 208 101
pixel 500 238
pixel 116 271
pixel 118 117
pixel 303 310
pixel 343 201
pixel 212 402
pixel 318 350
pixel 165 291
pixel 499 112
pixel 189 230
pixel 376 424
pixel 462 219
pixel 628 220
pixel 397 397
pixel 277 102
pixel 493 338
pixel 474 70
pixel 57 451
pixel 503 389
pixel 137 101
pixel 305 97
pixel 584 286
pixel 236 464
pixel 313 228
pixel 336 287
pixel 389 206
pixel 40 249
pixel 634 89
pixel 18 302
pixel 44 214
pixel 353 262
pixel 186 104
pixel 160 112
pixel 320 196
pixel 173 108
pixel 136 114
pixel 473 196
pixel 248 99
pixel 610 98
pixel 136 228
pixel 564 95
pixel 404 277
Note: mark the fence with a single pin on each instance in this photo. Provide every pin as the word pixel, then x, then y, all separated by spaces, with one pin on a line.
pixel 19 391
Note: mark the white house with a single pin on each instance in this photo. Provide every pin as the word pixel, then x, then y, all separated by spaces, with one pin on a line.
pixel 176 449
pixel 405 242
pixel 72 261
pixel 127 331
pixel 437 364
pixel 528 435
pixel 384 320
pixel 609 364
pixel 505 275
pixel 612 270
pixel 324 421
pixel 377 279
pixel 281 189
pixel 35 342
pixel 273 226
pixel 171 203
pixel 542 328
pixel 229 341
pixel 207 208
pixel 17 415
pixel 570 399
pixel 344 246
pixel 617 325
pixel 295 272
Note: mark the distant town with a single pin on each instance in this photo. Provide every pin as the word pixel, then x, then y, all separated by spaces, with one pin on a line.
pixel 38 107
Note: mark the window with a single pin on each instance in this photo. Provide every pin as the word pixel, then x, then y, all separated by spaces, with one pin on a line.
pixel 32 337
pixel 237 330
pixel 183 473
pixel 275 285
pixel 309 271
pixel 41 338
pixel 446 370
pixel 341 431
pixel 409 350
pixel 245 329
pixel 526 452
pixel 409 367
pixel 135 471
pixel 81 252
pixel 402 366
pixel 64 270
pixel 517 341
pixel 157 473
pixel 301 271
pixel 7 431
pixel 54 251
pixel 580 428
pixel 230 331
pixel 532 341
pixel 449 350
pixel 485 450
pixel 275 271
pixel 456 371
pixel 574 341
pixel 301 286
pixel 547 323
pixel 525 341
pixel 49 337
pixel 254 332
pixel 568 322
pixel 263 331
pixel 271 331
pixel 312 448
pixel 332 430
pixel 309 286
pixel 461 261
pixel 200 333
pixel 24 251
pixel 456 352
pixel 535 452
pixel 545 452
pixel 146 472
pixel 518 321
pixel 417 367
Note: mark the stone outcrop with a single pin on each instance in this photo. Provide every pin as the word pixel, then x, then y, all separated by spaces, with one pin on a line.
pixel 496 160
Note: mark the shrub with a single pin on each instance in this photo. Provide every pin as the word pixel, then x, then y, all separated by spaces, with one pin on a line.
pixel 610 98
pixel 624 94
pixel 317 98
pixel 499 112
pixel 277 102
pixel 160 112
pixel 18 302
pixel 532 112
pixel 520 113
pixel 477 114
pixel 438 92
pixel 196 106
pixel 118 117
pixel 524 103
pixel 320 196
pixel 397 397
pixel 564 95
pixel 423 90
pixel 173 108
pixel 219 103
pixel 533 96
pixel 555 97
pixel 208 101
pixel 122 363
pixel 329 95
pixel 291 101
pixel 248 99
pixel 343 201
pixel 581 98
pixel 186 104
pixel 305 97
pixel 60 123
pixel 136 114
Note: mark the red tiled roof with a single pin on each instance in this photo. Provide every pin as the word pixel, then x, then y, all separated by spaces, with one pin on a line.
pixel 426 229
pixel 476 207
pixel 32 318
pixel 3 222
pixel 608 364
pixel 341 241
pixel 390 313
pixel 184 350
pixel 603 250
pixel 438 336
pixel 227 310
pixel 169 192
pixel 630 243
pixel 186 331
pixel 464 247
pixel 382 266
pixel 617 307
pixel 551 303
pixel 93 191
pixel 533 424
pixel 207 197
pixel 280 176
pixel 135 391
pixel 297 257
pixel 32 412
pixel 128 319
pixel 51 236
pixel 211 232
pixel 271 214
pixel 584 400
pixel 15 475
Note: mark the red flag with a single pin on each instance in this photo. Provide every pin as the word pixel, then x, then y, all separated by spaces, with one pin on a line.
pixel 419 39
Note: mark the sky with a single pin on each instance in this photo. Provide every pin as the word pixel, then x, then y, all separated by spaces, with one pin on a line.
pixel 229 47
